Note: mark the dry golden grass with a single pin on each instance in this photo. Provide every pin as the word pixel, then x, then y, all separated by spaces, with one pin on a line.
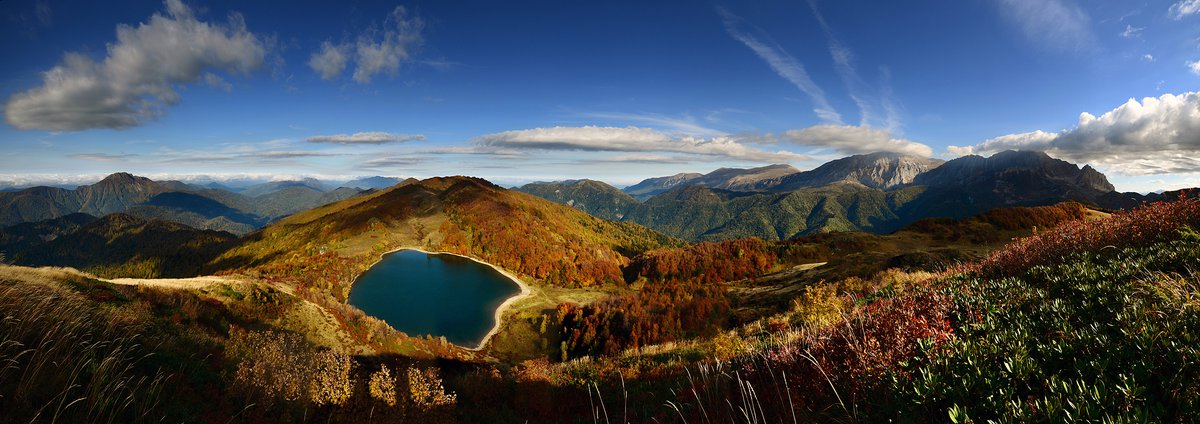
pixel 63 358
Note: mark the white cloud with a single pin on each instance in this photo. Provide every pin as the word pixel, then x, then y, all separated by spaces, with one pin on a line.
pixel 375 51
pixel 630 139
pixel 1148 57
pixel 365 138
pixel 393 161
pixel 104 157
pixel 1058 24
pixel 1131 31
pixel 854 140
pixel 1194 66
pixel 286 154
pixel 1184 8
pixel 1159 135
pixel 685 125
pixel 330 60
pixel 136 81
pixel 783 64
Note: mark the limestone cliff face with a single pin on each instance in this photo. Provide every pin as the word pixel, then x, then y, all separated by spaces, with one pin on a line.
pixel 883 170
pixel 1091 178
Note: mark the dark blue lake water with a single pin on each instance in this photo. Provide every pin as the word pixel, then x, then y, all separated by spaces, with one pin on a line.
pixel 434 294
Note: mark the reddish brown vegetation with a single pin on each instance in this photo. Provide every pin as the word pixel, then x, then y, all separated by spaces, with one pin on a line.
pixel 855 356
pixel 1150 223
pixel 660 312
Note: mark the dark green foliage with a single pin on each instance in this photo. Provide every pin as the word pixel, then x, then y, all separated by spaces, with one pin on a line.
pixel 1102 336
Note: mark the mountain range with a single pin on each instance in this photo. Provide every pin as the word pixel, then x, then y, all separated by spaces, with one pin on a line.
pixel 203 207
pixel 878 192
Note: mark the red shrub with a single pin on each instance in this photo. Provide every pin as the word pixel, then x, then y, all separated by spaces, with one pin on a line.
pixel 1150 223
pixel 857 355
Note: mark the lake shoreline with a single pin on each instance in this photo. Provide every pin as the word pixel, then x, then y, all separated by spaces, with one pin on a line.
pixel 499 314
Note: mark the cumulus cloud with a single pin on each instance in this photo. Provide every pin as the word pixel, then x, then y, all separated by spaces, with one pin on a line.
pixel 1184 8
pixel 1157 135
pixel 630 139
pixel 365 138
pixel 330 60
pixel 135 82
pixel 1194 66
pixel 379 50
pixel 854 140
pixel 1058 24
pixel 782 63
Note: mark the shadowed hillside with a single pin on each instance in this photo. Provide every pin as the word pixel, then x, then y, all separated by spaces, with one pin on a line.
pixel 120 245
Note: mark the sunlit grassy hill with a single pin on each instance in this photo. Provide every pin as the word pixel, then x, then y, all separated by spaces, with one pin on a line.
pixel 548 242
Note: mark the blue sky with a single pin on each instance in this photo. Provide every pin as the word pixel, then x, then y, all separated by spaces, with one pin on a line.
pixel 617 91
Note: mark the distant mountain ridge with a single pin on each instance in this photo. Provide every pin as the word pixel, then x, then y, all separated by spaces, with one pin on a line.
pixel 203 207
pixel 594 197
pixel 734 179
pixel 876 192
pixel 884 170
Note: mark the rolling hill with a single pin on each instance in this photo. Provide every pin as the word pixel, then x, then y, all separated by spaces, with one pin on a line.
pixel 591 196
pixel 118 245
pixel 552 243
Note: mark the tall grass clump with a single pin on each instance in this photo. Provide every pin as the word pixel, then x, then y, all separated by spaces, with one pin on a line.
pixel 61 360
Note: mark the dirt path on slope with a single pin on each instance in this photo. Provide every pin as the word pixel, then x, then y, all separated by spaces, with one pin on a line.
pixel 307 318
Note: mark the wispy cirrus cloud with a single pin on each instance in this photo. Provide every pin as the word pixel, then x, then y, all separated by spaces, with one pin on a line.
pixel 1131 31
pixel 104 157
pixel 137 80
pixel 859 90
pixel 630 139
pixel 784 64
pixel 379 50
pixel 374 137
pixel 287 154
pixel 1156 135
pixel 1056 24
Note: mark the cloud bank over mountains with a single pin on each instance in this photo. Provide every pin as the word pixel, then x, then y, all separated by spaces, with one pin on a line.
pixel 1158 135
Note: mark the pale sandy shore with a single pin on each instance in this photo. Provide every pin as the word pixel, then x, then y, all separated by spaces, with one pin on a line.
pixel 525 290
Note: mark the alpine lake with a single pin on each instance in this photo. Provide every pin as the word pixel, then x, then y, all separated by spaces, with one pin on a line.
pixel 434 294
